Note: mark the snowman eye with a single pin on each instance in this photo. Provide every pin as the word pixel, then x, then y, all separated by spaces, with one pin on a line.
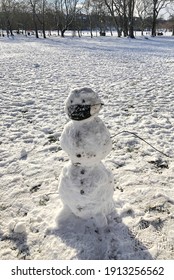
pixel 83 100
pixel 71 101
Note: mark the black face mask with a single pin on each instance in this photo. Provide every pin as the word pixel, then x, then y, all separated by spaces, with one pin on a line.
pixel 79 112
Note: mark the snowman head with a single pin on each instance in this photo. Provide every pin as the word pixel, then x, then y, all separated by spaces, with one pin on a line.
pixel 82 104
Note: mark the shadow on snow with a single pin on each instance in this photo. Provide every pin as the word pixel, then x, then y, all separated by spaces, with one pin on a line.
pixel 113 242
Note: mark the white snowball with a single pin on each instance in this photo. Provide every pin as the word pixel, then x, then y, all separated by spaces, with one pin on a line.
pixel 11 225
pixel 20 227
pixel 87 191
pixel 82 103
pixel 86 142
pixel 78 96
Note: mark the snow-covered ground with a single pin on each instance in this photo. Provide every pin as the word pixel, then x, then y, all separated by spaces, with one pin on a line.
pixel 135 80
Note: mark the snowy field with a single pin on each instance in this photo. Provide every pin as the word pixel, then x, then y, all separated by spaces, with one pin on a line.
pixel 135 80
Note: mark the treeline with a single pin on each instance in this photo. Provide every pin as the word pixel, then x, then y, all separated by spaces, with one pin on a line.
pixel 124 16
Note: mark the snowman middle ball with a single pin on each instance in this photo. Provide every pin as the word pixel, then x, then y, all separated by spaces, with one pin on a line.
pixel 86 143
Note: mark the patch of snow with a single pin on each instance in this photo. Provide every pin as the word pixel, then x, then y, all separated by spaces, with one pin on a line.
pixel 135 81
pixel 20 227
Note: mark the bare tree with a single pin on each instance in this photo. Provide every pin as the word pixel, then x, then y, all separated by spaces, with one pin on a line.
pixel 34 4
pixel 91 10
pixel 122 12
pixel 57 14
pixel 23 17
pixel 157 6
pixel 170 10
pixel 115 11
pixel 39 8
pixel 42 20
pixel 8 9
pixel 66 11
pixel 101 12
pixel 144 8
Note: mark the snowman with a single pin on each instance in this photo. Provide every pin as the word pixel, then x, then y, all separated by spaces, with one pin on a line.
pixel 86 186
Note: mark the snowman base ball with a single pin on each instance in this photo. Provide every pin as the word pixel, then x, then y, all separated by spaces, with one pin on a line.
pixel 88 191
pixel 86 186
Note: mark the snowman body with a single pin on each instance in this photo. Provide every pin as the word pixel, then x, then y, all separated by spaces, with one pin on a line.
pixel 86 185
pixel 86 142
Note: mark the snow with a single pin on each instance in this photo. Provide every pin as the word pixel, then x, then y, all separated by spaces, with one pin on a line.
pixel 19 227
pixel 135 80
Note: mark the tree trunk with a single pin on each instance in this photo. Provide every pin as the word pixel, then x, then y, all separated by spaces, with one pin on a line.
pixel 155 15
pixel 91 33
pixel 90 22
pixel 125 27
pixel 131 18
pixel 79 33
pixel 125 20
pixel 43 19
pixel 35 26
pixel 63 32
pixel 119 31
pixel 111 30
pixel 154 26
pixel 131 31
pixel 9 28
pixel 43 29
pixel 35 22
